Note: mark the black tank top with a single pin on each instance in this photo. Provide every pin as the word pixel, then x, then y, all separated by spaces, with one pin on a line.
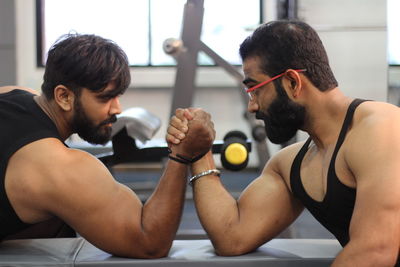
pixel 335 210
pixel 22 122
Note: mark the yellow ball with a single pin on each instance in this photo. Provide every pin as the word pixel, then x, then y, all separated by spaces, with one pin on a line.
pixel 236 153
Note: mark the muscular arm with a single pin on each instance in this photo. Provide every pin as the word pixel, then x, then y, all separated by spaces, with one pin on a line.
pixel 373 157
pixel 236 227
pixel 78 188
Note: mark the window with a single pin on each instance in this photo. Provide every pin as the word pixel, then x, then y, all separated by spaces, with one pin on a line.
pixel 393 24
pixel 141 26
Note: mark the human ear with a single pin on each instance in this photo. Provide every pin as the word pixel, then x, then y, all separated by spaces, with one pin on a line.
pixel 64 97
pixel 294 81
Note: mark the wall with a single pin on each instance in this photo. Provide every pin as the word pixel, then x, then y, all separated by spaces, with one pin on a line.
pixel 29 75
pixel 354 33
pixel 7 43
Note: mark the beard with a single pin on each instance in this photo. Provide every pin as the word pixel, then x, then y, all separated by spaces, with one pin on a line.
pixel 283 117
pixel 98 134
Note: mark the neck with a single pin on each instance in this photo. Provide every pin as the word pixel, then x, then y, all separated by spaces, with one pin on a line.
pixel 325 115
pixel 56 114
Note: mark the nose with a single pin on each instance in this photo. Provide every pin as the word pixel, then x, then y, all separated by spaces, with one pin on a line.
pixel 252 106
pixel 115 107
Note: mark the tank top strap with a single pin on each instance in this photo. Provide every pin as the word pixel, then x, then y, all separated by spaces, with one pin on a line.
pixel 333 180
pixel 346 123
pixel 295 183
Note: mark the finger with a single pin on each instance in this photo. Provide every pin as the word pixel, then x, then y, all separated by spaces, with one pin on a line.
pixel 177 133
pixel 180 113
pixel 172 139
pixel 188 114
pixel 179 124
pixel 198 115
pixel 196 112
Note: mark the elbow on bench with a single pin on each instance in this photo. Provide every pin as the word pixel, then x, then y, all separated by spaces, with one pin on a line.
pixel 145 250
pixel 228 249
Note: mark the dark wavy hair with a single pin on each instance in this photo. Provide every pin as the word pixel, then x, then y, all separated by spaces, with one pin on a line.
pixel 85 61
pixel 288 44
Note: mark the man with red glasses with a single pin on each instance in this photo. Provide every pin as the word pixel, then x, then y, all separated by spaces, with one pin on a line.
pixel 347 173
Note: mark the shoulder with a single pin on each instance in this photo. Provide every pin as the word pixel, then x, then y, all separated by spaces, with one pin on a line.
pixel 78 162
pixel 58 165
pixel 45 171
pixel 375 119
pixel 371 112
pixel 373 136
pixel 6 89
pixel 282 161
pixel 66 173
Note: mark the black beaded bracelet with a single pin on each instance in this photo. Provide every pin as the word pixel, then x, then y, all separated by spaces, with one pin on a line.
pixel 183 159
pixel 178 160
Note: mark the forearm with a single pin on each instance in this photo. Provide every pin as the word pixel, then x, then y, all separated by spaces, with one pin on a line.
pixel 162 212
pixel 217 209
pixel 218 213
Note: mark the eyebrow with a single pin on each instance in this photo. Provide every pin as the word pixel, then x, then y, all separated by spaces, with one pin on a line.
pixel 249 80
pixel 109 94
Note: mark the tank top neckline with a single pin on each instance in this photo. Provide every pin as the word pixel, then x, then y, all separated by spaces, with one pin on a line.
pixel 295 175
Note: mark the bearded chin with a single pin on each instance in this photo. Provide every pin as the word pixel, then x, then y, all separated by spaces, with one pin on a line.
pixel 278 133
pixel 284 117
pixel 97 135
pixel 84 127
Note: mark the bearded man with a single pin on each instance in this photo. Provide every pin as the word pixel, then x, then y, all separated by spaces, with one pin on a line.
pixel 50 190
pixel 347 173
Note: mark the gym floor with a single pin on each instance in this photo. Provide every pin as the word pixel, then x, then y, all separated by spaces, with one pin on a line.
pixel 143 181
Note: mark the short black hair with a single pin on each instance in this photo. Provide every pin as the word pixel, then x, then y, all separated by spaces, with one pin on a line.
pixel 85 61
pixel 285 44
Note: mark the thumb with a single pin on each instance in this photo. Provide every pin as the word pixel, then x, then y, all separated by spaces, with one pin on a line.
pixel 188 114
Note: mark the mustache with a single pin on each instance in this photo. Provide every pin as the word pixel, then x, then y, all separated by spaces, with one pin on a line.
pixel 260 115
pixel 112 119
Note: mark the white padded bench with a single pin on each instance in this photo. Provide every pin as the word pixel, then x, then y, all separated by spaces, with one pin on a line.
pixel 78 252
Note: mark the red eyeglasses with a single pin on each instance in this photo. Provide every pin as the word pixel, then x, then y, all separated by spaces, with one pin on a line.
pixel 251 89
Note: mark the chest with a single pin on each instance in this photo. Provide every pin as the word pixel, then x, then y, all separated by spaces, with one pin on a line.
pixel 319 167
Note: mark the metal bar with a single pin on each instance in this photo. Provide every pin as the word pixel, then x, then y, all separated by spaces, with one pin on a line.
pixel 261 145
pixel 221 62
pixel 187 60
pixel 187 65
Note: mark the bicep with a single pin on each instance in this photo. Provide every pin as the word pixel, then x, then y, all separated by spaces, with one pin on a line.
pixel 375 223
pixel 267 207
pixel 106 213
pixel 374 160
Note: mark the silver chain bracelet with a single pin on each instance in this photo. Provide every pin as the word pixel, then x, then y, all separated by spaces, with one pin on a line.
pixel 205 173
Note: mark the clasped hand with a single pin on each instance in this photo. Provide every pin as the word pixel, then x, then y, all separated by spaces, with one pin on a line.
pixel 190 132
